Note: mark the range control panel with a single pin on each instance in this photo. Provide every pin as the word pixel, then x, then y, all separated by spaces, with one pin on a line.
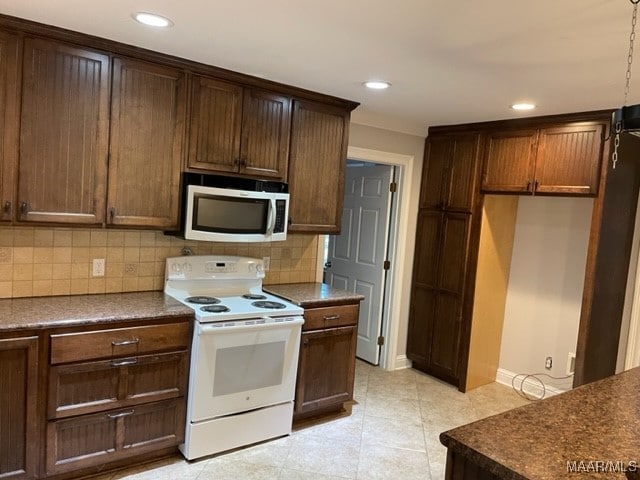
pixel 202 267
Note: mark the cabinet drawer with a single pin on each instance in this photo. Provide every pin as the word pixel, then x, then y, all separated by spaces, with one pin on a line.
pixel 90 440
pixel 90 387
pixel 118 342
pixel 329 317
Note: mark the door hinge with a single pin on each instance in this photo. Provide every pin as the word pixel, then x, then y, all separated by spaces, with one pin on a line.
pixel 393 186
pixel 386 265
pixel 380 341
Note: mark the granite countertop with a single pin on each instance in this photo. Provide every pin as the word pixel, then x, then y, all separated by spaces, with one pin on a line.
pixel 73 310
pixel 313 294
pixel 598 422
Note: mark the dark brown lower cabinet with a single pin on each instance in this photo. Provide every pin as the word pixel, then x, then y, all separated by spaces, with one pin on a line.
pixel 326 367
pixel 18 408
pixel 438 289
pixel 89 440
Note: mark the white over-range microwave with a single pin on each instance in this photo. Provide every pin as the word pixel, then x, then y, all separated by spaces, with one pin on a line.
pixel 231 215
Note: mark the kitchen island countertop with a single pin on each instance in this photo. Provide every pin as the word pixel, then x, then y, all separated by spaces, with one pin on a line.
pixel 311 295
pixel 80 310
pixel 576 434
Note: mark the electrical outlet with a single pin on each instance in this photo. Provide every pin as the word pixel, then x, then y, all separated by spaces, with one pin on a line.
pixel 571 363
pixel 548 362
pixel 266 261
pixel 98 267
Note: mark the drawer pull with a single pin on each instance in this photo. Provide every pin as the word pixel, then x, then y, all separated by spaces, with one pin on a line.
pixel 122 363
pixel 121 414
pixel 125 342
pixel 332 317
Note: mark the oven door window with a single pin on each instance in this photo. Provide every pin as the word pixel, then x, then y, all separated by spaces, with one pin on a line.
pixel 213 213
pixel 238 370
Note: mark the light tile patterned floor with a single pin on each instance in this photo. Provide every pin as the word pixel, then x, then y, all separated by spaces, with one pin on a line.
pixel 392 433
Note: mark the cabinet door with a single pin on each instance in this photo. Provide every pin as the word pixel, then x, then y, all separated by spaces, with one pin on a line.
pixel 326 369
pixel 435 319
pixel 89 440
pixel 216 119
pixel 319 135
pixel 63 136
pixel 509 159
pixel 9 95
pixel 18 403
pixel 434 171
pixel 450 172
pixel 461 182
pixel 569 158
pixel 447 317
pixel 266 122
pixel 146 146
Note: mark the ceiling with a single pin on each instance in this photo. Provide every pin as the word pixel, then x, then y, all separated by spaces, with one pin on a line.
pixel 449 61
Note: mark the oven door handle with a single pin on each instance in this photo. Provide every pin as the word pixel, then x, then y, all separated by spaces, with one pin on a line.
pixel 241 325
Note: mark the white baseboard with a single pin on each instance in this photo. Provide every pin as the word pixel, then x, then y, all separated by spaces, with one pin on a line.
pixel 402 362
pixel 531 386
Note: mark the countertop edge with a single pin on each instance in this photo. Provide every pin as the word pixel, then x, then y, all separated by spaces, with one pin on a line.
pixel 479 459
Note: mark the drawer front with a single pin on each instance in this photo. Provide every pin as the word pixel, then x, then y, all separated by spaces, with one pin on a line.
pixel 90 440
pixel 118 342
pixel 330 317
pixel 91 387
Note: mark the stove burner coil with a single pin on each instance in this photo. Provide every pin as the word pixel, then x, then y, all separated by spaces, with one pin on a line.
pixel 214 308
pixel 202 300
pixel 268 304
pixel 254 296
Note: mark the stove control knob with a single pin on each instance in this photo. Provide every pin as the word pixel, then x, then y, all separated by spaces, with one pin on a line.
pixel 259 268
pixel 251 267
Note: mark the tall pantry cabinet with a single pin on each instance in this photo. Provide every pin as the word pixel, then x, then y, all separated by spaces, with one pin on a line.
pixel 442 270
pixel 559 155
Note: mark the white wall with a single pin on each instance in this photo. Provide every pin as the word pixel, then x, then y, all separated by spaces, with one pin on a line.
pixel 545 284
pixel 363 136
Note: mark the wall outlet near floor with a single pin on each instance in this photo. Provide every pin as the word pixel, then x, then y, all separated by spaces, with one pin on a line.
pixel 267 262
pixel 571 363
pixel 98 267
pixel 548 362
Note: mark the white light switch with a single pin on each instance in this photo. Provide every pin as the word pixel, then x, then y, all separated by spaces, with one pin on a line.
pixel 266 261
pixel 98 267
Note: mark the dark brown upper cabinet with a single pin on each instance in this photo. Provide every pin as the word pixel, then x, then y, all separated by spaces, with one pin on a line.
pixel 238 130
pixel 146 145
pixel 9 120
pixel 319 137
pixel 450 172
pixel 63 134
pixel 560 160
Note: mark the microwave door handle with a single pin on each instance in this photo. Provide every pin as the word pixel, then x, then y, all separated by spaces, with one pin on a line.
pixel 271 218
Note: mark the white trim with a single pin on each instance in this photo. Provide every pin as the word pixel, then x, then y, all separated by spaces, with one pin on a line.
pixel 530 387
pixel 320 259
pixel 632 354
pixel 402 362
pixel 399 229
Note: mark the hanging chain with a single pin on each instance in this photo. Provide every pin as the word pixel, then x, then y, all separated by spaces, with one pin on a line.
pixel 627 86
pixel 632 37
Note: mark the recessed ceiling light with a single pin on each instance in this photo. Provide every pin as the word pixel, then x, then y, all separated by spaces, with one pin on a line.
pixel 377 84
pixel 523 106
pixel 152 19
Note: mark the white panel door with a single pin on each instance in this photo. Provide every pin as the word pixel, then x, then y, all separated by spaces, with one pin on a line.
pixel 356 257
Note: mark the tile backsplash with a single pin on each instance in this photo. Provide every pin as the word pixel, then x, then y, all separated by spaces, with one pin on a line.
pixel 58 261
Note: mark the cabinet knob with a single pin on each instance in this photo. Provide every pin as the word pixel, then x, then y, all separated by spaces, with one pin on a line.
pixel 24 208
pixel 7 208
pixel 243 162
pixel 528 184
pixel 305 342
pixel 236 162
pixel 112 214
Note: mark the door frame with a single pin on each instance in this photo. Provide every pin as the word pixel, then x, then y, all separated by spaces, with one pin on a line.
pixel 400 249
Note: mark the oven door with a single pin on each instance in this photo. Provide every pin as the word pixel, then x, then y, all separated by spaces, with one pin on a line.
pixel 243 365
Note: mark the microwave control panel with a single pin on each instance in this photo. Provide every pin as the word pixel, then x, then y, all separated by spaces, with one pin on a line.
pixel 281 212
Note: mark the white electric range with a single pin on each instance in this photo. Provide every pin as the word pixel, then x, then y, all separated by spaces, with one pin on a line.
pixel 244 354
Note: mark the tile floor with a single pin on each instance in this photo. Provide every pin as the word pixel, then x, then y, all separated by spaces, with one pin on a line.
pixel 391 433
